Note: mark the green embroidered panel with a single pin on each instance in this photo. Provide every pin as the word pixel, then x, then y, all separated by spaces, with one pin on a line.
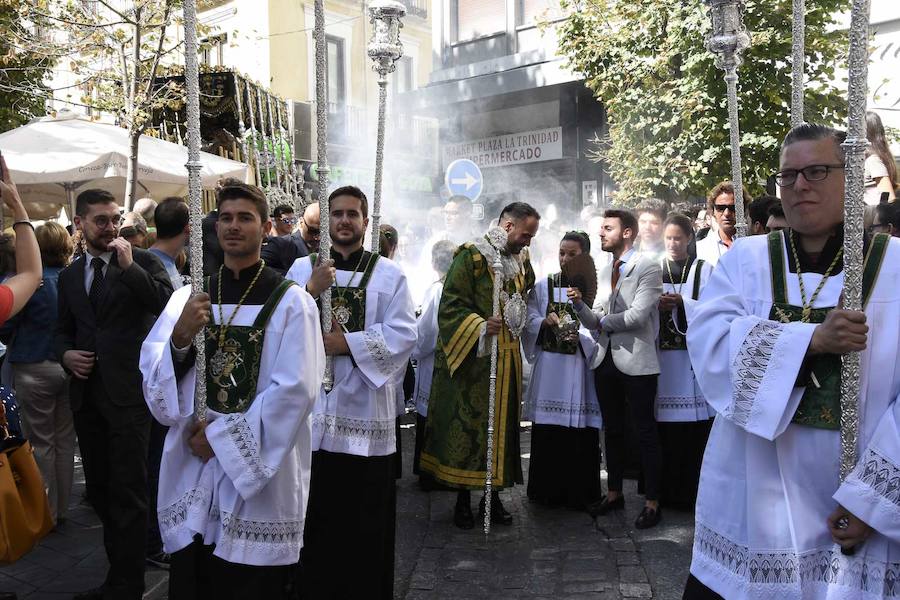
pixel 669 336
pixel 557 339
pixel 821 403
pixel 233 369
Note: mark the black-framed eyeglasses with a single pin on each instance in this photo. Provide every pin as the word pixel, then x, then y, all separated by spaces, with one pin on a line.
pixel 288 220
pixel 103 221
pixel 723 207
pixel 811 173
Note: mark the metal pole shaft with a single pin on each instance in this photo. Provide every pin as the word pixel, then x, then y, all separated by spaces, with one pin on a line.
pixel 239 107
pixel 798 62
pixel 855 152
pixel 195 191
pixel 264 138
pixel 492 396
pixel 731 79
pixel 253 133
pixel 322 171
pixel 379 164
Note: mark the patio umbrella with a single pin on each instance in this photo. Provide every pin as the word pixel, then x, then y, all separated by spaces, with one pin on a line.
pixel 51 158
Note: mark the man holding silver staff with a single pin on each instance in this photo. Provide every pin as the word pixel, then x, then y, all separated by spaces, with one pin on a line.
pixel 766 342
pixel 349 540
pixel 233 487
pixel 456 434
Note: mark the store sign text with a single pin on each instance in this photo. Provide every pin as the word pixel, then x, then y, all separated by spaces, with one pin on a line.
pixel 510 149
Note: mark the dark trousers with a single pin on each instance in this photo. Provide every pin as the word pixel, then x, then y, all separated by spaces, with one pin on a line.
pixel 617 391
pixel 154 462
pixel 695 590
pixel 113 442
pixel 349 535
pixel 195 574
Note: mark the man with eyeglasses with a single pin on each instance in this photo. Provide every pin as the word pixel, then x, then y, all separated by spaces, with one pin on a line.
pixel 720 204
pixel 766 341
pixel 280 251
pixel 109 299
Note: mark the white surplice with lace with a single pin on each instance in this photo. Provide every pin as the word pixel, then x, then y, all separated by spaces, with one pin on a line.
pixel 358 416
pixel 768 485
pixel 249 500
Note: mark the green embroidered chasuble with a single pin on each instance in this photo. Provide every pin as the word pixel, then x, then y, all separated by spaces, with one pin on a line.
pixel 455 446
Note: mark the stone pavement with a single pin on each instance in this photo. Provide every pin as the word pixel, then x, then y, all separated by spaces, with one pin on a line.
pixel 70 559
pixel 546 553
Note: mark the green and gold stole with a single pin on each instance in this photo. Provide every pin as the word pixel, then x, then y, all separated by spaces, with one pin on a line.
pixel 550 342
pixel 348 304
pixel 820 405
pixel 232 370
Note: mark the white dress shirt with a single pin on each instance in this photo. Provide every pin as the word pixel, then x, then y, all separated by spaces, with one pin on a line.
pixel 89 268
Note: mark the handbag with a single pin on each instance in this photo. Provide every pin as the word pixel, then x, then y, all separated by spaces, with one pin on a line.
pixel 24 508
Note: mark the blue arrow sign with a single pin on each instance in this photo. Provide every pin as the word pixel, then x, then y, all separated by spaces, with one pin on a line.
pixel 463 178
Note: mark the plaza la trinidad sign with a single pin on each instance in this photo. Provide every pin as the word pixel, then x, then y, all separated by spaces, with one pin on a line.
pixel 508 149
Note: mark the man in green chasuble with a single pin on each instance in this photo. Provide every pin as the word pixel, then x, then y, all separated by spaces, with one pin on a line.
pixel 455 446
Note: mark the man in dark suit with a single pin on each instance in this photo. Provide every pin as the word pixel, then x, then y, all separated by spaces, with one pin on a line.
pixel 109 299
pixel 280 251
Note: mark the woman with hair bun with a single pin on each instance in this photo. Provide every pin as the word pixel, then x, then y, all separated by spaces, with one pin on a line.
pixel 561 401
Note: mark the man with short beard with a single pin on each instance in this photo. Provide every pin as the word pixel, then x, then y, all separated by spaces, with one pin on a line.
pixel 625 321
pixel 766 342
pixel 458 405
pixel 108 300
pixel 348 549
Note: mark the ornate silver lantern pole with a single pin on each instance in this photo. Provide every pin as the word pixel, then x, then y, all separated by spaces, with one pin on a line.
pixel 195 190
pixel 384 50
pixel 322 171
pixel 798 52
pixel 239 109
pixel 855 152
pixel 497 237
pixel 727 41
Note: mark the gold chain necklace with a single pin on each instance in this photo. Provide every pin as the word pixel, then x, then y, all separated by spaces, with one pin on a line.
pixel 681 282
pixel 352 277
pixel 223 329
pixel 807 306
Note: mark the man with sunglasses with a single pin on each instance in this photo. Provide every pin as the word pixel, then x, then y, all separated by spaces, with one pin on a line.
pixel 109 299
pixel 280 251
pixel 720 204
pixel 766 341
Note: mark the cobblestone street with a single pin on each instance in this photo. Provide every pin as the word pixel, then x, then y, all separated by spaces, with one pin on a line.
pixel 546 553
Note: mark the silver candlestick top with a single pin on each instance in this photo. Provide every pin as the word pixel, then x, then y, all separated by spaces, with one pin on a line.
pixel 729 38
pixel 385 48
pixel 727 41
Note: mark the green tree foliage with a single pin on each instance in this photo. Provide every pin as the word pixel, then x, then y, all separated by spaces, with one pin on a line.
pixel 668 134
pixel 23 71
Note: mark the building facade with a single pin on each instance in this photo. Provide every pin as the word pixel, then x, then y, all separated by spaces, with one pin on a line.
pixel 505 100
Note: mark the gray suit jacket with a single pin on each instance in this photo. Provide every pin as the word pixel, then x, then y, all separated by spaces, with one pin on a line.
pixel 630 318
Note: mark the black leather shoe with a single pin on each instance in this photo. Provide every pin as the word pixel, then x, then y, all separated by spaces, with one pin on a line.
pixel 462 516
pixel 499 514
pixel 605 505
pixel 94 594
pixel 648 518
